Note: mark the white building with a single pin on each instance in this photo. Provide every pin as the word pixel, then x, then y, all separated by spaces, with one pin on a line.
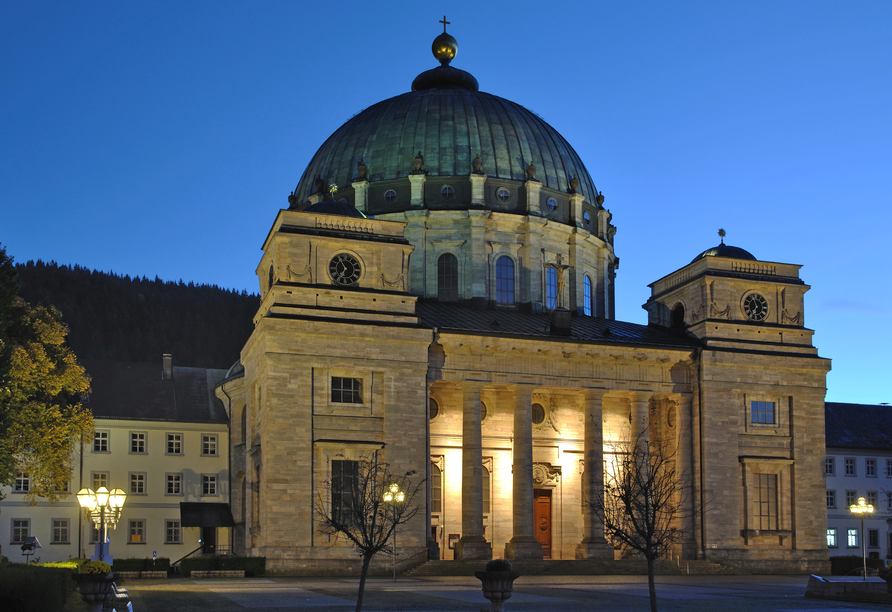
pixel 160 436
pixel 859 464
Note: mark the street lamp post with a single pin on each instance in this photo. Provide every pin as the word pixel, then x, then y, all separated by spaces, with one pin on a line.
pixel 104 508
pixel 862 508
pixel 392 497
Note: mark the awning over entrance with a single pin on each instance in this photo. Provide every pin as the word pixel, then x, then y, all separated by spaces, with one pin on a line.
pixel 197 514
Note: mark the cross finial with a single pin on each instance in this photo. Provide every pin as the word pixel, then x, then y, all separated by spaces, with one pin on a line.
pixel 722 235
pixel 445 23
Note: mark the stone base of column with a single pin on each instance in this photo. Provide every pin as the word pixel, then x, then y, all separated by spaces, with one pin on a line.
pixel 473 547
pixel 594 549
pixel 523 548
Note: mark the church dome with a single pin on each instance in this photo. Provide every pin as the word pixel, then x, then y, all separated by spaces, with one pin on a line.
pixel 447 122
pixel 726 250
pixel 330 207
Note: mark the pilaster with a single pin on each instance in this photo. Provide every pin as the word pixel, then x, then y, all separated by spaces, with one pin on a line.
pixel 416 181
pixel 361 196
pixel 478 189
pixel 531 187
pixel 576 201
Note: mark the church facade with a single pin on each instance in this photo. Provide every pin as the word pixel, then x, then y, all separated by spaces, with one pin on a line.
pixel 440 291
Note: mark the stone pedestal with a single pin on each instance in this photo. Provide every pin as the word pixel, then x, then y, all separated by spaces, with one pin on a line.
pixel 417 183
pixel 361 196
pixel 473 547
pixel 478 183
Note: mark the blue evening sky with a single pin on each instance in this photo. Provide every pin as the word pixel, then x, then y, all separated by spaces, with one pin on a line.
pixel 161 138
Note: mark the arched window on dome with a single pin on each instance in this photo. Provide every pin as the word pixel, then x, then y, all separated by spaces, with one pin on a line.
pixel 505 280
pixel 587 295
pixel 550 288
pixel 447 278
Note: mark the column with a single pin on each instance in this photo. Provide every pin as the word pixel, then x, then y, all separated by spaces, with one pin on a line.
pixel 685 471
pixel 593 545
pixel 523 545
pixel 472 544
pixel 639 417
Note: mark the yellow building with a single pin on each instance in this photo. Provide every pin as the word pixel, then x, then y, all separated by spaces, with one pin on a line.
pixel 442 286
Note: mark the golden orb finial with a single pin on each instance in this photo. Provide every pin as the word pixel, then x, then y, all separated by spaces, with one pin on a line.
pixel 445 46
pixel 722 235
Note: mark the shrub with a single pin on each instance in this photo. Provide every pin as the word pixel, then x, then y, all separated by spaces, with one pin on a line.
pixel 842 565
pixel 95 567
pixel 253 566
pixel 72 564
pixel 24 587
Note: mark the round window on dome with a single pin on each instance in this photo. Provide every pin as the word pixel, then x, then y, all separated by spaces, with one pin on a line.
pixel 447 192
pixel 503 194
pixel 552 204
pixel 586 218
pixel 390 195
pixel 538 414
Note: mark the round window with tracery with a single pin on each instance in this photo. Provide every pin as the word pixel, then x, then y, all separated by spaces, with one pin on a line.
pixel 503 194
pixel 390 195
pixel 552 204
pixel 447 192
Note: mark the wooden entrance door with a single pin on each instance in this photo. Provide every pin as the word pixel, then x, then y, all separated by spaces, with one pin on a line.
pixel 542 520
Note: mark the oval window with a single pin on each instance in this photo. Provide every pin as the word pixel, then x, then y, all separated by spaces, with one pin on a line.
pixel 503 194
pixel 447 192
pixel 434 408
pixel 482 411
pixel 538 414
pixel 390 195
pixel 552 204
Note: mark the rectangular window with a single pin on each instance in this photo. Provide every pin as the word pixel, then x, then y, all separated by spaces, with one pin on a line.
pixel 873 538
pixel 551 288
pixel 852 538
pixel 137 532
pixel 762 412
pixel 61 531
pixel 100 442
pixel 870 468
pixel 138 484
pixel 174 484
pixel 22 483
pixel 851 498
pixel 889 506
pixel 100 479
pixel 138 442
pixel 94 534
pixel 829 466
pixel 208 484
pixel 767 501
pixel 346 390
pixel 436 489
pixel 831 499
pixel 872 499
pixel 831 538
pixel 344 477
pixel 850 466
pixel 208 445
pixel 174 533
pixel 21 529
pixel 174 444
pixel 888 468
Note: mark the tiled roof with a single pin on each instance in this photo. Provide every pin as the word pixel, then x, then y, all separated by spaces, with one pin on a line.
pixel 865 426
pixel 509 322
pixel 122 390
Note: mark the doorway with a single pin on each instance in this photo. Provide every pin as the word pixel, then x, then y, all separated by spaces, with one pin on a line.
pixel 208 540
pixel 542 520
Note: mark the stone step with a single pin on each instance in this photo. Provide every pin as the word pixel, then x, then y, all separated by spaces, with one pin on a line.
pixel 569 567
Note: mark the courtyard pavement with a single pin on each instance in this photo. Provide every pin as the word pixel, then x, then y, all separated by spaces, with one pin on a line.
pixel 434 594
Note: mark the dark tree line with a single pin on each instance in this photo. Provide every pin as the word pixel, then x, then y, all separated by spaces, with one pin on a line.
pixel 138 319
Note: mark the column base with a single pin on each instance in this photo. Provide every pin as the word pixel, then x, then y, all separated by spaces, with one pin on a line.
pixel 473 547
pixel 523 548
pixel 594 549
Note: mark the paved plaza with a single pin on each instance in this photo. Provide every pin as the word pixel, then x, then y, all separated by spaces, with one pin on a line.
pixel 552 594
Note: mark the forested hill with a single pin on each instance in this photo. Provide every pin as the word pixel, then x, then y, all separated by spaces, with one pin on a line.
pixel 137 319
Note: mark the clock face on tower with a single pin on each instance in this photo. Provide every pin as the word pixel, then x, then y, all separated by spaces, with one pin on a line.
pixel 755 307
pixel 344 269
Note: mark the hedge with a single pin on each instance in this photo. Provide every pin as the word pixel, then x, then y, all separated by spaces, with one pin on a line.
pixel 842 565
pixel 141 564
pixel 26 587
pixel 253 566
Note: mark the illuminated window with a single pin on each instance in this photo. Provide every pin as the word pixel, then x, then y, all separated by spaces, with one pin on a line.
pixel 487 489
pixel 447 192
pixel 587 295
pixel 208 445
pixel 831 499
pixel 137 442
pixel 22 482
pixel 138 484
pixel 850 466
pixel 390 196
pixel 870 468
pixel 174 484
pixel 436 489
pixel 209 484
pixel 852 538
pixel 173 532
pixel 100 479
pixel 433 407
pixel 61 531
pixel 829 466
pixel 447 278
pixel 504 280
pixel 174 444
pixel 538 414
pixel 137 531
pixel 346 390
pixel 767 501
pixel 550 288
pixel 21 529
pixel 762 412
pixel 344 477
pixel 831 538
pixel 100 442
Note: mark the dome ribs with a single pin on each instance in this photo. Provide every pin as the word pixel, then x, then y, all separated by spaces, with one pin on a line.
pixel 521 154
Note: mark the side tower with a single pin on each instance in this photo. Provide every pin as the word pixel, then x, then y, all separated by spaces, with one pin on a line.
pixel 758 408
pixel 334 371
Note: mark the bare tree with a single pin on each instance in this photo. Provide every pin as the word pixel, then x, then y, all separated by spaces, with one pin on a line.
pixel 642 502
pixel 352 504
